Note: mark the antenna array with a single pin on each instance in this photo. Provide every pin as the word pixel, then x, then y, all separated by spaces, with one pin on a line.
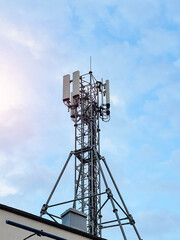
pixel 84 93
pixel 88 101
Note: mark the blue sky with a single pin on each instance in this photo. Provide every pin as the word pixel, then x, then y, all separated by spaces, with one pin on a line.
pixel 134 44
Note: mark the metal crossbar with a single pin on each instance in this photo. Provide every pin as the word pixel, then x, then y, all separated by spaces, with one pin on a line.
pixel 35 231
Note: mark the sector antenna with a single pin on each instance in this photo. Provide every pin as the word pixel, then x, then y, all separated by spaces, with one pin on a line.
pixel 88 101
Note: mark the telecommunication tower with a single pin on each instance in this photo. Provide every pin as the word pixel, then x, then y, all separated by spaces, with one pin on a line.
pixel 88 101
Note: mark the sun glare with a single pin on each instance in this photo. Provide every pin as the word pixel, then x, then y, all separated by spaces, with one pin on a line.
pixel 10 95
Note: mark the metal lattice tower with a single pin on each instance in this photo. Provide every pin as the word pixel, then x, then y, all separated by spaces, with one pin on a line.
pixel 88 102
pixel 85 114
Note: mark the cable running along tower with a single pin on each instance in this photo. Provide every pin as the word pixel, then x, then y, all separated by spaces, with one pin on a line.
pixel 88 101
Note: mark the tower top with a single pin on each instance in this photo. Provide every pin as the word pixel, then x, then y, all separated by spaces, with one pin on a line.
pixel 86 87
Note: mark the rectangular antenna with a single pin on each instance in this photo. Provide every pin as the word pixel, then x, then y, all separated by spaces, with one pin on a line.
pixel 76 83
pixel 72 111
pixel 107 94
pixel 66 87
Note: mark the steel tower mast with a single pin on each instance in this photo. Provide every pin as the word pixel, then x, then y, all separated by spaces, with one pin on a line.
pixel 86 116
pixel 88 102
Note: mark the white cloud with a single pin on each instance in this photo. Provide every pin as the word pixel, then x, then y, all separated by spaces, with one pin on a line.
pixel 6 190
pixel 117 101
pixel 177 63
pixel 16 128
pixel 163 110
pixel 160 41
pixel 162 224
pixel 172 9
pixel 139 13
pixel 173 162
pixel 24 36
pixel 147 153
pixel 108 146
pixel 11 95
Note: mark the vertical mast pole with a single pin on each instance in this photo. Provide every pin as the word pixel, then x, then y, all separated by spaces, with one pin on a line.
pixel 82 145
pixel 75 160
pixel 91 158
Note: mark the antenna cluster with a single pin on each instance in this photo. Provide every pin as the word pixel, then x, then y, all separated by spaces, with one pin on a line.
pixel 78 89
pixel 88 101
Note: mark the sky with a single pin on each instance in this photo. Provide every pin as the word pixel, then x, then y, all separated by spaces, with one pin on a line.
pixel 133 43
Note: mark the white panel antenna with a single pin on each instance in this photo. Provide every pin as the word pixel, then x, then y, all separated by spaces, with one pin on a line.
pixel 107 94
pixel 66 88
pixel 76 83
pixel 72 110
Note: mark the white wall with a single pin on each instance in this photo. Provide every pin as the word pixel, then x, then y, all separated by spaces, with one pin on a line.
pixel 8 232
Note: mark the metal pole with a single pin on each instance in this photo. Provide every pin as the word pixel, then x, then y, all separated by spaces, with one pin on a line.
pixel 120 196
pixel 99 176
pixel 137 232
pixel 113 205
pixel 82 146
pixel 115 185
pixel 75 158
pixel 38 232
pixel 78 199
pixel 55 186
pixel 92 160
pixel 77 185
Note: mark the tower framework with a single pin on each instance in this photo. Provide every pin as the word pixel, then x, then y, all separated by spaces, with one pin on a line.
pixel 88 102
